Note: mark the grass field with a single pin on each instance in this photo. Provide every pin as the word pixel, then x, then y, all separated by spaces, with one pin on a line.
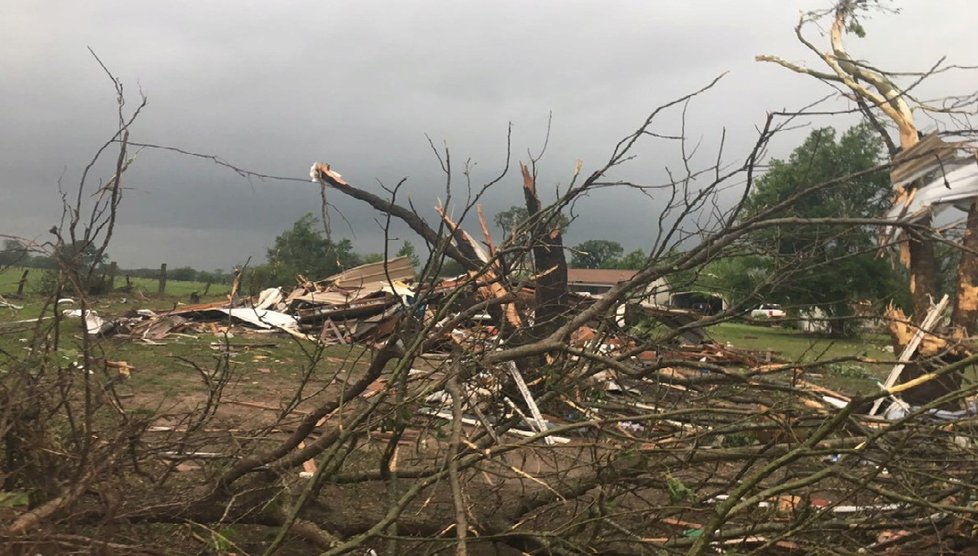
pixel 795 345
pixel 143 296
pixel 10 277
pixel 277 351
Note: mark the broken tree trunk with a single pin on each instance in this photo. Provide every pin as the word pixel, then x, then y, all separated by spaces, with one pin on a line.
pixel 932 152
pixel 965 314
pixel 920 260
pixel 923 272
pixel 324 175
pixel 877 90
pixel 549 263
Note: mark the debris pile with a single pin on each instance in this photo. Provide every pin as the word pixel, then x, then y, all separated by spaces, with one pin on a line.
pixel 359 304
pixel 365 304
pixel 356 305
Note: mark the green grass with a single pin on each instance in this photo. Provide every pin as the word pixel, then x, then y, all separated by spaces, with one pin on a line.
pixel 264 368
pixel 175 287
pixel 13 336
pixel 10 277
pixel 161 366
pixel 795 345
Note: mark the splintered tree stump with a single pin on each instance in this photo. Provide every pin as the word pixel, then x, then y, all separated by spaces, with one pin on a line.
pixel 550 264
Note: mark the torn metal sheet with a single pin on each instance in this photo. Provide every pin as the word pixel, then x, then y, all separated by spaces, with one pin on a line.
pixel 401 290
pixel 930 154
pixel 896 412
pixel 262 318
pixel 158 329
pixel 354 310
pixel 325 298
pixel 399 268
pixel 958 183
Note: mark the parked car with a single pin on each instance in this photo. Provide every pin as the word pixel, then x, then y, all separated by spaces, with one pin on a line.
pixel 769 311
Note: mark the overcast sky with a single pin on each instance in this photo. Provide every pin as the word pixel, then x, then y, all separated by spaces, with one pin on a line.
pixel 276 86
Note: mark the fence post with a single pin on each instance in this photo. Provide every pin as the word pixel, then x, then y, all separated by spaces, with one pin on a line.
pixel 113 270
pixel 162 278
pixel 22 283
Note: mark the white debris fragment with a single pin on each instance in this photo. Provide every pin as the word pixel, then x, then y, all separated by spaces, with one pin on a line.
pixel 94 324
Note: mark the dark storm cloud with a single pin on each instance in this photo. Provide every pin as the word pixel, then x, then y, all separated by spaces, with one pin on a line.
pixel 276 86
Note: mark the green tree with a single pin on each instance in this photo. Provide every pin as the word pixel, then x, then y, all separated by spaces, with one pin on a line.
pixel 217 276
pixel 634 260
pixel 184 273
pixel 82 260
pixel 517 215
pixel 737 278
pixel 597 253
pixel 511 218
pixel 828 267
pixel 407 250
pixel 13 253
pixel 82 256
pixel 302 249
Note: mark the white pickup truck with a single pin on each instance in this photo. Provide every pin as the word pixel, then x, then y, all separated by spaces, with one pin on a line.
pixel 769 311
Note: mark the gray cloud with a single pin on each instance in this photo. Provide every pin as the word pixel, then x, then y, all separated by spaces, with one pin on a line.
pixel 274 87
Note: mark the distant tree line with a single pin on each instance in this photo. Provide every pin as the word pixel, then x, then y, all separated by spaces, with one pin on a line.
pixel 16 254
pixel 303 250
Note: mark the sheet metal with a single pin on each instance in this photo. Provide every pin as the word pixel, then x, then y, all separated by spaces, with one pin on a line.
pixel 960 188
pixel 399 268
